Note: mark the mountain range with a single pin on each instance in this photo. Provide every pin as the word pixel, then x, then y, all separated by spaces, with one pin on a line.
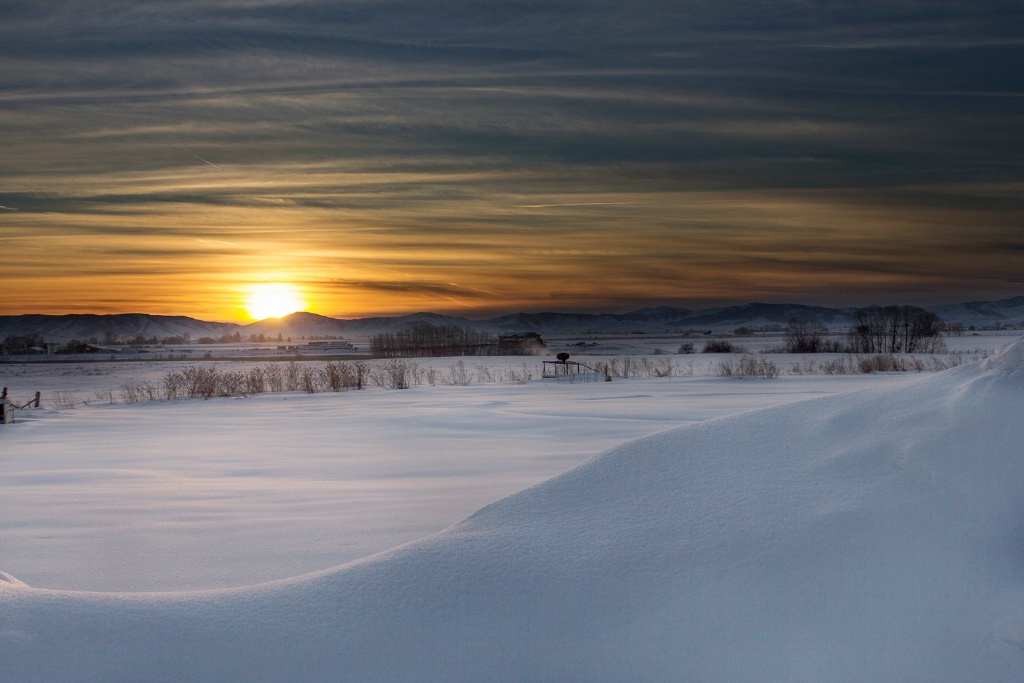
pixel 656 320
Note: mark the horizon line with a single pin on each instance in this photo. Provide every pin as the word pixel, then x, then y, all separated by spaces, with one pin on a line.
pixel 547 311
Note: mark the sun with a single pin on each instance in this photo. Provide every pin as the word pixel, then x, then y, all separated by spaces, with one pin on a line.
pixel 272 300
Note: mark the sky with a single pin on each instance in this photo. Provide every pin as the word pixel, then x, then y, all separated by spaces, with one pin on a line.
pixel 476 158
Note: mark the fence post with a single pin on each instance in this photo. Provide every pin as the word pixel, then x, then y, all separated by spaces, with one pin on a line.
pixel 35 404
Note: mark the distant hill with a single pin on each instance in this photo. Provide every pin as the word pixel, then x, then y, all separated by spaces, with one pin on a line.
pixel 296 325
pixel 84 326
pixel 656 320
pixel 984 313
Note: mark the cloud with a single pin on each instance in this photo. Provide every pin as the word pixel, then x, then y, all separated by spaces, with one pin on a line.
pixel 598 148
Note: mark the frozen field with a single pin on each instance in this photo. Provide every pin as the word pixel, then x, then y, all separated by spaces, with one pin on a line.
pixel 828 536
pixel 227 492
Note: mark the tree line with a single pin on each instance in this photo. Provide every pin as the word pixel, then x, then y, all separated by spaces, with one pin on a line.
pixel 876 329
pixel 426 340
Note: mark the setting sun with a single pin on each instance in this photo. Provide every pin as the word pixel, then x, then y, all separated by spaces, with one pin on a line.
pixel 272 300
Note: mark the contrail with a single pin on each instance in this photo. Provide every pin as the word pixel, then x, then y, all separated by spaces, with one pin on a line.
pixel 208 162
pixel 550 206
pixel 206 241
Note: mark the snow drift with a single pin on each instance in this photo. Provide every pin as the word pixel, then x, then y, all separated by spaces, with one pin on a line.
pixel 871 536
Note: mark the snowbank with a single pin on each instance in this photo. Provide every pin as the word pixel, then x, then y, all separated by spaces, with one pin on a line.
pixel 874 536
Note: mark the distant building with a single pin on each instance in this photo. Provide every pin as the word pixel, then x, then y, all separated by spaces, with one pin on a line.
pixel 333 345
pixel 83 347
pixel 527 341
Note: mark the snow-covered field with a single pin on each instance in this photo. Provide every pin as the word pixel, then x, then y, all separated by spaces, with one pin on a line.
pixel 228 492
pixel 866 536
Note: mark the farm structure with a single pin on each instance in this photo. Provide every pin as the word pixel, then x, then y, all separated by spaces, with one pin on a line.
pixel 563 367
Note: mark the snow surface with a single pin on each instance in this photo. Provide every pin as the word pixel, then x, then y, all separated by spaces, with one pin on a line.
pixel 874 536
pixel 229 492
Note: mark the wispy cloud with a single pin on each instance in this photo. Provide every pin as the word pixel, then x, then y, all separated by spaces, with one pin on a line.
pixel 531 152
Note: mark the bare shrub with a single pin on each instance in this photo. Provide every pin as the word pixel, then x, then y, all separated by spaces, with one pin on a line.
pixel 458 375
pixel 309 379
pixel 396 373
pixel 350 376
pixel 807 367
pixel 273 377
pixel 721 346
pixel 361 369
pixel 292 376
pixel 686 347
pixel 839 366
pixel 199 382
pixel 759 367
pixel 63 400
pixel 105 395
pixel 255 381
pixel 232 383
pixel 642 367
pixel 130 392
pixel 519 375
pixel 945 363
pixel 173 385
pixel 190 381
pixel 883 362
pixel 134 390
pixel 333 376
pixel 483 375
pixel 748 366
pixel 935 344
pixel 663 367
pixel 206 386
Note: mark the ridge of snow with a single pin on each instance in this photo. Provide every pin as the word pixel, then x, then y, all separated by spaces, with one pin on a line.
pixel 8 581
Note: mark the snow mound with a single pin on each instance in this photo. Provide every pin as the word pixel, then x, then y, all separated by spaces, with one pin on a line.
pixel 869 536
pixel 1007 363
pixel 8 581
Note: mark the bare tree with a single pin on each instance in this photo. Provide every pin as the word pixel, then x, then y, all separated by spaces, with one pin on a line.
pixel 432 340
pixel 805 336
pixel 895 329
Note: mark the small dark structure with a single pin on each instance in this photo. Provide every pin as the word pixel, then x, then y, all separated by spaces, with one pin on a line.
pixel 6 409
pixel 75 346
pixel 563 367
pixel 7 406
pixel 330 345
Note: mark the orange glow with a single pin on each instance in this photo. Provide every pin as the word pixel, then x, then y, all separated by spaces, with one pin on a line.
pixel 273 300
